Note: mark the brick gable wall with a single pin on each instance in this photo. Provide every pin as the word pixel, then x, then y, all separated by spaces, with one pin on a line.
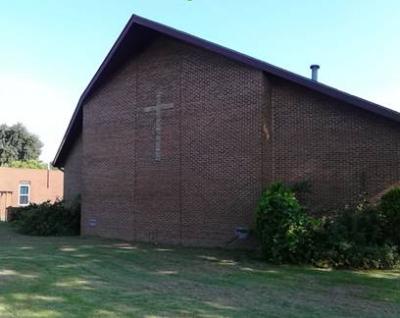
pixel 231 131
pixel 208 178
pixel 341 150
pixel 73 172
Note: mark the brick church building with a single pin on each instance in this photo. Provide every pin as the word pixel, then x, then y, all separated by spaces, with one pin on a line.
pixel 175 138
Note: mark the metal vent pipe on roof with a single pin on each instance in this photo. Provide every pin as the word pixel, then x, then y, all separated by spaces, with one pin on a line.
pixel 314 72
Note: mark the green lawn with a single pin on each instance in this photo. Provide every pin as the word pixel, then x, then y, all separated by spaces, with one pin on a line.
pixel 87 277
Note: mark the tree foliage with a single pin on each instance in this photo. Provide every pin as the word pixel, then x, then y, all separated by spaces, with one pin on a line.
pixel 18 144
pixel 28 164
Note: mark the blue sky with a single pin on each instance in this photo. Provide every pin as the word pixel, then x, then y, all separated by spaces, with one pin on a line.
pixel 50 49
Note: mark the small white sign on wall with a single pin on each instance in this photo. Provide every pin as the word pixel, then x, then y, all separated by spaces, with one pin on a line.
pixel 92 222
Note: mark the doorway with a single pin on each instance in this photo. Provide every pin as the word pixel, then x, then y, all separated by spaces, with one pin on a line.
pixel 5 201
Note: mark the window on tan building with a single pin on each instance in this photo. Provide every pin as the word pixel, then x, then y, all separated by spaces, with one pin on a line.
pixel 24 194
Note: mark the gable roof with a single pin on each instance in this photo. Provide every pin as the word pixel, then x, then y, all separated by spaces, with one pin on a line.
pixel 140 31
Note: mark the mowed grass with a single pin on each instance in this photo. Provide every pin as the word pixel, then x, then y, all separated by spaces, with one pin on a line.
pixel 90 277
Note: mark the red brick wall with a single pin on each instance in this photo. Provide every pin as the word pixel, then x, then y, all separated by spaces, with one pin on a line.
pixel 73 172
pixel 232 130
pixel 342 150
pixel 209 175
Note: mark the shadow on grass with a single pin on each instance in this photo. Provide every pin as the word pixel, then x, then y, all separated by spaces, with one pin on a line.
pixel 82 277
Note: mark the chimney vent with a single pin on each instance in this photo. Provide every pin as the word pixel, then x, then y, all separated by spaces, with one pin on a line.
pixel 314 72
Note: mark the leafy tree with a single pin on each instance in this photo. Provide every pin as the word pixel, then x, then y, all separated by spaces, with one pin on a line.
pixel 28 164
pixel 17 143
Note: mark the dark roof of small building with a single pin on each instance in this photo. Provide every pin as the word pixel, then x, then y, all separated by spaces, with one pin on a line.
pixel 140 31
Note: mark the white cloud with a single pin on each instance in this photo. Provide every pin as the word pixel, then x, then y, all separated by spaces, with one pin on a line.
pixel 43 108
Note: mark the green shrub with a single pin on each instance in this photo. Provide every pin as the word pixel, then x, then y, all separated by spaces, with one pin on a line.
pixel 390 209
pixel 302 191
pixel 47 219
pixel 28 164
pixel 361 225
pixel 282 226
pixel 347 254
pixel 356 237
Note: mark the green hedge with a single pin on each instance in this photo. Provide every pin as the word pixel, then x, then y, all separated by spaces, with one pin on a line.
pixel 47 219
pixel 359 237
pixel 283 226
pixel 390 209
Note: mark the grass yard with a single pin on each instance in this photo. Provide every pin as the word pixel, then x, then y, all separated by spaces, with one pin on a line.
pixel 87 277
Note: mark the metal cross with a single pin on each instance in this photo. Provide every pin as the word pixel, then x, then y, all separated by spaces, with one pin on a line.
pixel 157 108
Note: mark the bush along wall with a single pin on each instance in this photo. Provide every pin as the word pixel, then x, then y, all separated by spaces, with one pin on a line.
pixel 362 236
pixel 390 209
pixel 283 226
pixel 47 219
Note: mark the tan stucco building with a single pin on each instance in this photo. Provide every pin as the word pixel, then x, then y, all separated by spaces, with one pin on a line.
pixel 19 187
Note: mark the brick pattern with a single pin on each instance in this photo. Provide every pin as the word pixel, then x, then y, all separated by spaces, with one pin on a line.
pixel 208 178
pixel 342 150
pixel 232 130
pixel 73 173
pixel 221 146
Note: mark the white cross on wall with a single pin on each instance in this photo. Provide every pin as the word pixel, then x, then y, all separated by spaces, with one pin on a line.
pixel 157 108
